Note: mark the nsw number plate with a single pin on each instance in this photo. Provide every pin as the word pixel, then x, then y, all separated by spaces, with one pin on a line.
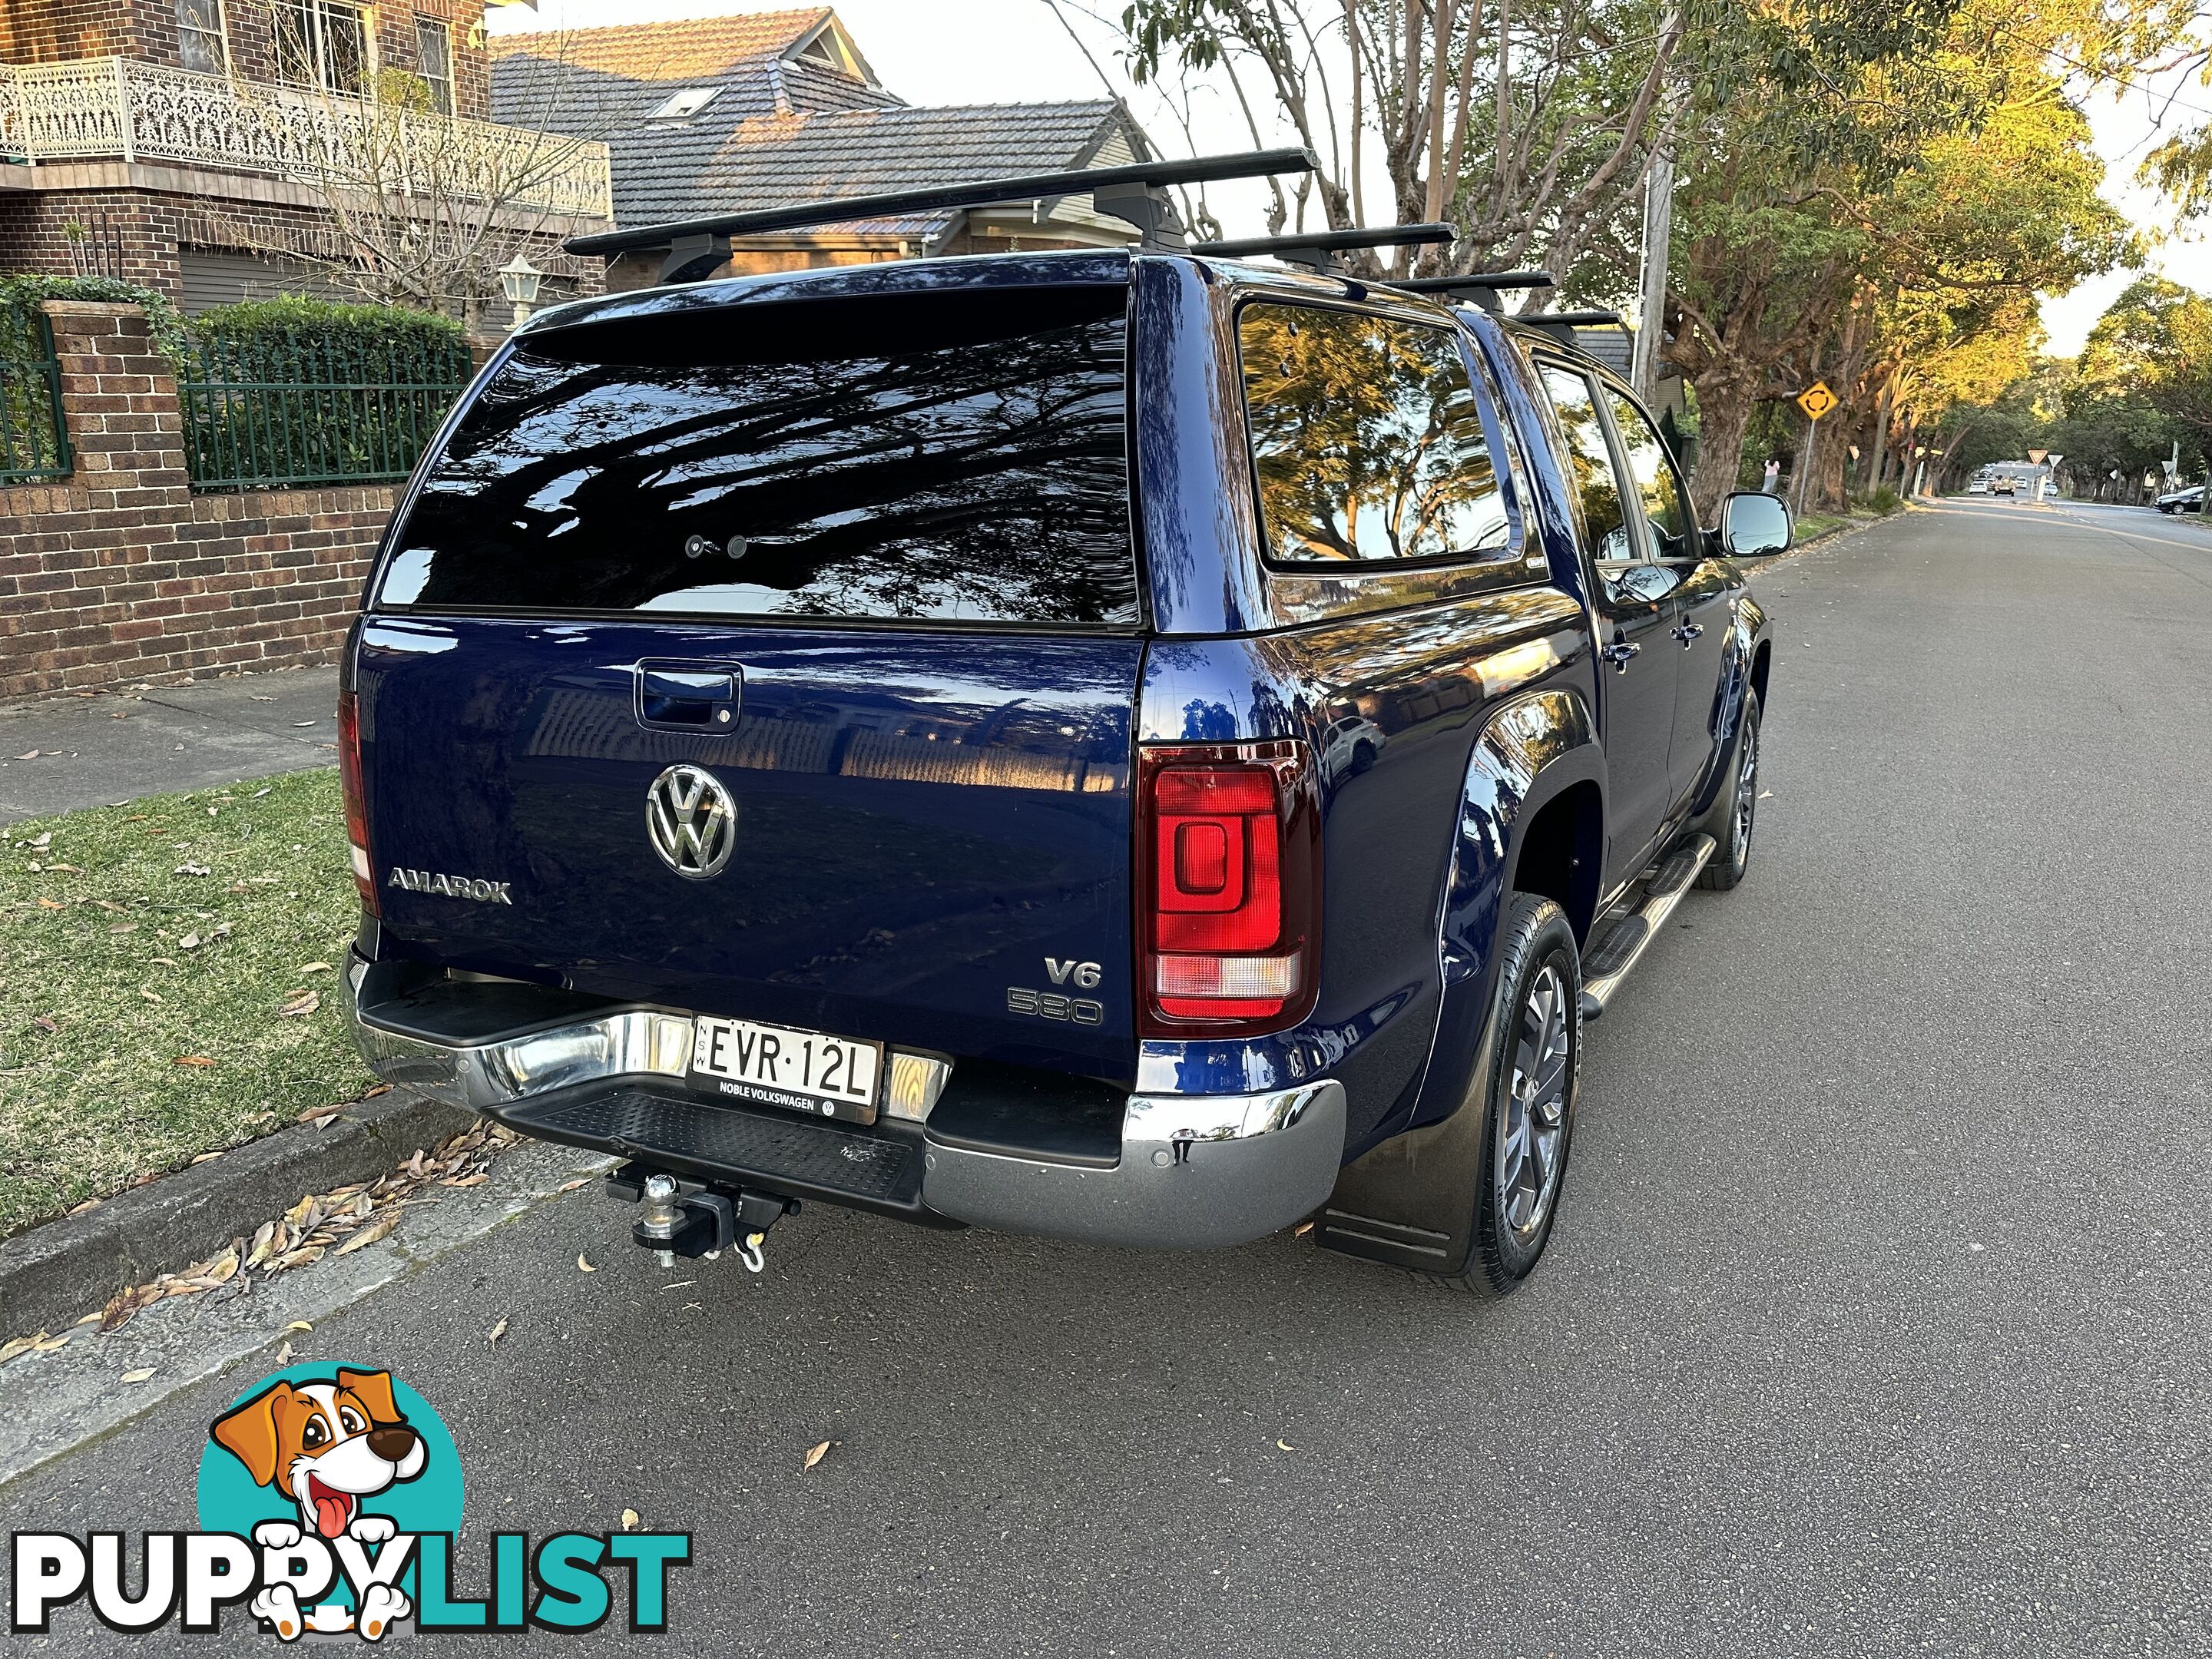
pixel 775 1065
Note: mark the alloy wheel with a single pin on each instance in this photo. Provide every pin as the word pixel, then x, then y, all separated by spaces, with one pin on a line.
pixel 1532 1137
pixel 1746 794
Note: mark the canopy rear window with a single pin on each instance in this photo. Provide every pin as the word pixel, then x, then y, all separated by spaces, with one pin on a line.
pixel 933 457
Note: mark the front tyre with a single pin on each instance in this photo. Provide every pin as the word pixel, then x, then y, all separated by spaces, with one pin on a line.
pixel 1725 868
pixel 1527 1096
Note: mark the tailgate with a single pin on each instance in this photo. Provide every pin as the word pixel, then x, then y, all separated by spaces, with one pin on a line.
pixel 926 820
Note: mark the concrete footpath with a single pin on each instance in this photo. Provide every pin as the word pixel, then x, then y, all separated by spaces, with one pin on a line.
pixel 62 752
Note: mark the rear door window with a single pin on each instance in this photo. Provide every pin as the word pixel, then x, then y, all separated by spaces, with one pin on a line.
pixel 1598 494
pixel 1369 443
pixel 936 457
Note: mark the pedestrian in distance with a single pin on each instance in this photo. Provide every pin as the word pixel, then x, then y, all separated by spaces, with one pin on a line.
pixel 1772 483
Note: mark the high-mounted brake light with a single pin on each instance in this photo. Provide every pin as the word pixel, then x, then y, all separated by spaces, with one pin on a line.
pixel 357 809
pixel 1228 889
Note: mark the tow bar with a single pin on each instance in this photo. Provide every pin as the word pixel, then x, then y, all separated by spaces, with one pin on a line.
pixel 687 1219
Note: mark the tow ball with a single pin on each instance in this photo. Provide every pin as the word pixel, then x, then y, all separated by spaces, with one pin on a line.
pixel 687 1218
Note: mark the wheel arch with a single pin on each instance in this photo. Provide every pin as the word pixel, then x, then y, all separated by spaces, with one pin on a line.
pixel 1536 773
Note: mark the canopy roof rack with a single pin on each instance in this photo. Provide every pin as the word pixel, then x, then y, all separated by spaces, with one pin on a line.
pixel 1483 288
pixel 1136 192
pixel 1318 251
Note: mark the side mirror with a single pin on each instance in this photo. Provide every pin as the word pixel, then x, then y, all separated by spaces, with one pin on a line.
pixel 1755 523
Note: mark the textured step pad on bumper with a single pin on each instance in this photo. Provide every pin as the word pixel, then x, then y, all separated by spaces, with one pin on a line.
pixel 640 1124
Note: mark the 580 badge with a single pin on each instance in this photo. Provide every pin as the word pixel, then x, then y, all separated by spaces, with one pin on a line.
pixel 1054 1004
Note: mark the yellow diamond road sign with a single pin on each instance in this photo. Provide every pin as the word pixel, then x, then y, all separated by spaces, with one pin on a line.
pixel 1816 400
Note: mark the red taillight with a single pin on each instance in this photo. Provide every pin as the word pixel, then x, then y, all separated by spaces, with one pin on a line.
pixel 1228 889
pixel 356 810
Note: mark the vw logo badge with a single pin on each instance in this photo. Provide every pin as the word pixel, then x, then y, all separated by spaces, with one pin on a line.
pixel 691 820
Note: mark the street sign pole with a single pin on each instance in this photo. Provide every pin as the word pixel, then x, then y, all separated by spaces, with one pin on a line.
pixel 1815 400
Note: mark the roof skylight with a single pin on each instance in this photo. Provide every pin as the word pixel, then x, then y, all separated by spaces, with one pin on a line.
pixel 685 103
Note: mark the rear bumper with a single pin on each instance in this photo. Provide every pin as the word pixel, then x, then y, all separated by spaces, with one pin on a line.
pixel 1158 1171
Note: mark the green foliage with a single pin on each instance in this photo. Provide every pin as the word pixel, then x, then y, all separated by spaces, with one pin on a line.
pixel 273 340
pixel 304 392
pixel 1882 501
pixel 19 297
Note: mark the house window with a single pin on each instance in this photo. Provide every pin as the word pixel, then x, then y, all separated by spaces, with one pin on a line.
pixel 434 60
pixel 321 42
pixel 200 43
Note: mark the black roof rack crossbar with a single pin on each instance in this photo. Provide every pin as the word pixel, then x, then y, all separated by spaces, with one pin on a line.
pixel 1482 286
pixel 1136 192
pixel 1576 319
pixel 1312 250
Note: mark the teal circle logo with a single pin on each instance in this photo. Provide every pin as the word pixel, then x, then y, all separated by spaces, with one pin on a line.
pixel 349 1454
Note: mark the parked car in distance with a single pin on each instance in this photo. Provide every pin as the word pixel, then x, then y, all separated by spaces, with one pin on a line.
pixel 2191 500
pixel 876 735
pixel 1978 487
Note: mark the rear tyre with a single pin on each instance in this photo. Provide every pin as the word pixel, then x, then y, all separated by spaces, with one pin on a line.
pixel 1733 855
pixel 1527 1096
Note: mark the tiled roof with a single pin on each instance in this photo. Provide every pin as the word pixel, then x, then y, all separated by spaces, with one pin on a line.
pixel 696 50
pixel 779 131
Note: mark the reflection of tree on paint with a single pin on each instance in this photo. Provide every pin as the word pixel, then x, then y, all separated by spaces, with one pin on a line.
pixel 1367 439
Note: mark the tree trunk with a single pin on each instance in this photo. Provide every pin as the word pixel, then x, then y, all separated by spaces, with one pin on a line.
pixel 1725 401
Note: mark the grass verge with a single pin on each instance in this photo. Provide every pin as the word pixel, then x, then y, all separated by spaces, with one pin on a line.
pixel 168 984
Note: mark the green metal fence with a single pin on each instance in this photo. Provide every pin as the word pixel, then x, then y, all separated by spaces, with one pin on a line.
pixel 301 412
pixel 34 437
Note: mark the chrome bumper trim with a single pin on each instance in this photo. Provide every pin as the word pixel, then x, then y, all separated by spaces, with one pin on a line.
pixel 1197 1172
pixel 636 1043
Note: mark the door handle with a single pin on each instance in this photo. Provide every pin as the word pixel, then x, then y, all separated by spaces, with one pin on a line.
pixel 1687 632
pixel 686 699
pixel 1619 651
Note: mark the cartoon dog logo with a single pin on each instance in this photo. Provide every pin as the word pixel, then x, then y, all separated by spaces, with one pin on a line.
pixel 327 1446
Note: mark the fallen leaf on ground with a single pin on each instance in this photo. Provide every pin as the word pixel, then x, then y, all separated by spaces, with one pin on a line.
pixel 571 1185
pixel 1302 1230
pixel 122 926
pixel 14 1346
pixel 315 968
pixel 149 995
pixel 138 1376
pixel 204 1157
pixel 629 1520
pixel 283 1356
pixel 301 1004
pixel 496 1332
pixel 44 1024
pixel 476 1180
pixel 583 1266
pixel 166 961
pixel 194 1060
pixel 45 904
pixel 72 868
pixel 368 1234
pixel 188 942
pixel 32 754
pixel 1285 1445
pixel 817 1454
pixel 44 1344
pixel 299 1325
pixel 191 869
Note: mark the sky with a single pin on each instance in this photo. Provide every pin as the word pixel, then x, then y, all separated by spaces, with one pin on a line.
pixel 984 51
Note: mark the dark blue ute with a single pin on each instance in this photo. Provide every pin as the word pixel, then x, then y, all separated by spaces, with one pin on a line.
pixel 1141 748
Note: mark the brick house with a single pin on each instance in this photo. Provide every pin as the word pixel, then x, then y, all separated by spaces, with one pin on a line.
pixel 174 142
pixel 765 109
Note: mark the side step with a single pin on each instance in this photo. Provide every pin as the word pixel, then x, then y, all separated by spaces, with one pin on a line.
pixel 1610 960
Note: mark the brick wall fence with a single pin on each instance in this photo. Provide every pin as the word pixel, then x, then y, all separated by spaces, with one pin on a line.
pixel 119 574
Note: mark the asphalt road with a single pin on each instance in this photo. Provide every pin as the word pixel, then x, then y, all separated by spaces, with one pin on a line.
pixel 1876 1321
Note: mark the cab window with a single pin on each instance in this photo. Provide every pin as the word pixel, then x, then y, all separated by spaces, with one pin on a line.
pixel 1656 487
pixel 1597 489
pixel 1369 443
